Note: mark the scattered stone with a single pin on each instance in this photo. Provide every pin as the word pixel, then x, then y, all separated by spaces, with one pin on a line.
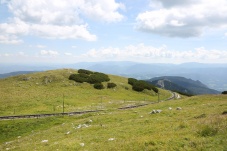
pixel 111 139
pixel 170 108
pixel 158 111
pixel 19 137
pixel 82 144
pixel 155 111
pixel 141 116
pixel 179 108
pixel 68 133
pixel 90 121
pixel 44 141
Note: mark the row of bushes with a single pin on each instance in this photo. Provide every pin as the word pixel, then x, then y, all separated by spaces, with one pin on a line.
pixel 95 78
pixel 140 85
pixel 91 78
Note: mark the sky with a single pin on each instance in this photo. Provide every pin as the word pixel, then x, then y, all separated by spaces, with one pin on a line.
pixel 147 31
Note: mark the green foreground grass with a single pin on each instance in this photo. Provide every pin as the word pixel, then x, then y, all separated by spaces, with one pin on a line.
pixel 200 125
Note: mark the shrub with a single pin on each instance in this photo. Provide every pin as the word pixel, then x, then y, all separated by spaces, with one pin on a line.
pixel 138 88
pixel 85 71
pixel 132 81
pixel 79 77
pixel 98 86
pixel 140 85
pixel 111 85
pixel 98 78
pixel 224 92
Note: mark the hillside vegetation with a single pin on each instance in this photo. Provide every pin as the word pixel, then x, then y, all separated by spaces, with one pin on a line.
pixel 200 125
pixel 44 92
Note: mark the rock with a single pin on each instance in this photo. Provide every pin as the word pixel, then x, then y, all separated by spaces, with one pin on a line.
pixel 82 144
pixel 179 108
pixel 170 108
pixel 44 141
pixel 155 111
pixel 158 111
pixel 111 139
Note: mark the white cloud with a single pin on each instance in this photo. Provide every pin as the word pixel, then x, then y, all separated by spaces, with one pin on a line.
pixel 145 53
pixel 188 18
pixel 40 46
pixel 48 53
pixel 68 54
pixel 59 19
pixel 7 39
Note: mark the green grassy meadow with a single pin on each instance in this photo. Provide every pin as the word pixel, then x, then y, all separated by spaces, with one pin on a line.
pixel 35 96
pixel 200 125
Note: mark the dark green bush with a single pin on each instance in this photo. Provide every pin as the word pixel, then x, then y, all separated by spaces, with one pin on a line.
pixel 98 86
pixel 111 85
pixel 224 92
pixel 138 88
pixel 131 81
pixel 140 85
pixel 98 78
pixel 85 71
pixel 79 77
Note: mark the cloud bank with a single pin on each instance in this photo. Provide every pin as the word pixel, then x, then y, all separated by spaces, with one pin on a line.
pixel 183 18
pixel 58 19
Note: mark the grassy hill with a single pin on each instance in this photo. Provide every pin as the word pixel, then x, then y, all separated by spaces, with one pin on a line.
pixel 199 125
pixel 44 92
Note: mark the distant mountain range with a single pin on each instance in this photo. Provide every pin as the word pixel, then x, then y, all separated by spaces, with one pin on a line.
pixel 212 75
pixel 182 85
pixel 5 75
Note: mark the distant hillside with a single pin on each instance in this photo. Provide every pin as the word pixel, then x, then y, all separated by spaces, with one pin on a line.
pixel 15 73
pixel 183 85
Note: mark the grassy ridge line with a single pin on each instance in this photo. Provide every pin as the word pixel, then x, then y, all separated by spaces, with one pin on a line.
pixel 200 125
pixel 42 93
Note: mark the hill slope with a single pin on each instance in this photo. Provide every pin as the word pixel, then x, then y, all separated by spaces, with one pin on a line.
pixel 181 84
pixel 44 92
pixel 200 125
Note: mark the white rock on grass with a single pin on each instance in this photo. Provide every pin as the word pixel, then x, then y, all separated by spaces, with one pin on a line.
pixel 82 144
pixel 111 139
pixel 155 111
pixel 44 141
pixel 170 108
pixel 158 111
pixel 68 133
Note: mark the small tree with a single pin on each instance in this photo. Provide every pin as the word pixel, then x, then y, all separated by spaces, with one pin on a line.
pixel 98 86
pixel 111 85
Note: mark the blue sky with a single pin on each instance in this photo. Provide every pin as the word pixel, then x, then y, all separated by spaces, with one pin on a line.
pixel 149 31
